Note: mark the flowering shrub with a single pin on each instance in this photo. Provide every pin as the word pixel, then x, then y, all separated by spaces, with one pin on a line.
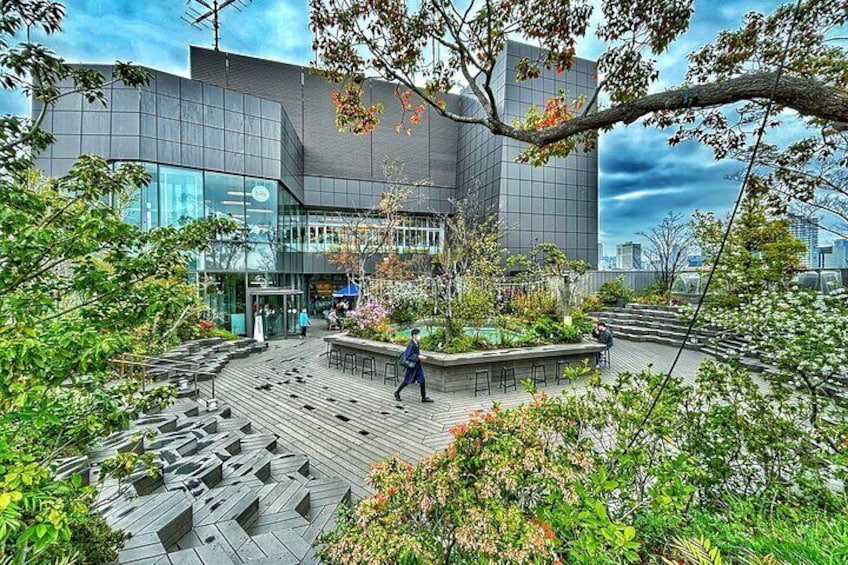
pixel 582 479
pixel 803 334
pixel 369 320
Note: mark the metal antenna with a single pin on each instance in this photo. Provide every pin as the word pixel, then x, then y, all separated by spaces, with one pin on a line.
pixel 199 13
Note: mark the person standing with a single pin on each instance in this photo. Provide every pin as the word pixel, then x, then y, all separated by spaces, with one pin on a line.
pixel 303 322
pixel 414 372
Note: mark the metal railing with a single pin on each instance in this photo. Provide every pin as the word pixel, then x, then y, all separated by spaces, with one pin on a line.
pixel 140 367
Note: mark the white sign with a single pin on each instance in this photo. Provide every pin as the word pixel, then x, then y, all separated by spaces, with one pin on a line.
pixel 260 193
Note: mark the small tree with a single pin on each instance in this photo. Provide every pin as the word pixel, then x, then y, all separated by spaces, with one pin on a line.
pixel 760 253
pixel 668 247
pixel 77 286
pixel 547 262
pixel 366 234
pixel 472 250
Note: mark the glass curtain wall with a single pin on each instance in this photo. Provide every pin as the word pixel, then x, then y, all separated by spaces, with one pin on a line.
pixel 265 250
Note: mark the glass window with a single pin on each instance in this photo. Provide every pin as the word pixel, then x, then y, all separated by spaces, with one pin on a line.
pixel 224 196
pixel 143 208
pixel 261 208
pixel 181 195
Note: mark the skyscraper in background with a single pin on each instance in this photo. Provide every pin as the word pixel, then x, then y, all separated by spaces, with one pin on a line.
pixel 806 230
pixel 628 256
pixel 840 254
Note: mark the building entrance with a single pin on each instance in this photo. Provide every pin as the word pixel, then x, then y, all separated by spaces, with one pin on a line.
pixel 277 307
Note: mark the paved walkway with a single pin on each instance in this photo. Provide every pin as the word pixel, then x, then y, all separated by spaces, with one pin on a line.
pixel 344 423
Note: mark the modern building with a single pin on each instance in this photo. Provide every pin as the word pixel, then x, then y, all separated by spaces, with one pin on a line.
pixel 839 254
pixel 806 230
pixel 257 140
pixel 628 256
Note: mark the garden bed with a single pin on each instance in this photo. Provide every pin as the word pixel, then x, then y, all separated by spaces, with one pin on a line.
pixel 454 372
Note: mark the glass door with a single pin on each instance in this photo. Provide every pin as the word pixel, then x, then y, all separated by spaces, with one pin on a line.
pixel 270 308
pixel 292 305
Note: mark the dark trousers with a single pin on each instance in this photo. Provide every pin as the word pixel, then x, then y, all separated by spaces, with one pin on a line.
pixel 303 331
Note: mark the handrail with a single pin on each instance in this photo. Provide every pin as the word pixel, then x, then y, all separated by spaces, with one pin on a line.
pixel 142 361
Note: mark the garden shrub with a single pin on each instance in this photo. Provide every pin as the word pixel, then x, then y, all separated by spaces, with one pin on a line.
pixel 581 478
pixel 552 331
pixel 612 290
pixel 532 305
pixel 746 528
pixel 592 303
pixel 370 321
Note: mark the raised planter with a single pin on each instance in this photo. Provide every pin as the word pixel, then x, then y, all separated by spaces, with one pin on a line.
pixel 453 372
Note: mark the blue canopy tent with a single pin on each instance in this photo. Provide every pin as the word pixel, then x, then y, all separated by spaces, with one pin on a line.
pixel 344 292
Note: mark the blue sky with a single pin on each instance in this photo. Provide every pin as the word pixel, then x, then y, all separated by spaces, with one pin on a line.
pixel 641 177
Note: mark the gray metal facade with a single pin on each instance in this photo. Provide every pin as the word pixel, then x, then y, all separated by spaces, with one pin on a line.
pixel 267 119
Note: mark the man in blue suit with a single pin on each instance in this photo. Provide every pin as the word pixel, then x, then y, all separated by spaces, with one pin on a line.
pixel 414 372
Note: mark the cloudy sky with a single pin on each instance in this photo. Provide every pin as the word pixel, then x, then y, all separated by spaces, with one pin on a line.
pixel 641 179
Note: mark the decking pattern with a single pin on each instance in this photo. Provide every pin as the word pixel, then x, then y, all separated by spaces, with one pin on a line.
pixel 343 422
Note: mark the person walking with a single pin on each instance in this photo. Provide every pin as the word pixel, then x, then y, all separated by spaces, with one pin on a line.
pixel 414 370
pixel 303 322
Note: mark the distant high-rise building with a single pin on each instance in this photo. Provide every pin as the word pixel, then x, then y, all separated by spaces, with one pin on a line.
pixel 806 230
pixel 826 260
pixel 601 256
pixel 628 256
pixel 839 256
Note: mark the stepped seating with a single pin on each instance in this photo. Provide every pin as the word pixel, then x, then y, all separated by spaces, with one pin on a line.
pixel 665 325
pixel 226 495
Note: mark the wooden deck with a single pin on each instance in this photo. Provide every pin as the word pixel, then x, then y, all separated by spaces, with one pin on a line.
pixel 345 423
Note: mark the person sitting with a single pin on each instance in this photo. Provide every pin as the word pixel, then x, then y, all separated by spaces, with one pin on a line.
pixel 604 338
pixel 595 331
pixel 333 321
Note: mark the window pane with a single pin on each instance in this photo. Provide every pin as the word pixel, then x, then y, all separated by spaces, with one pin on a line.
pixel 225 196
pixel 181 195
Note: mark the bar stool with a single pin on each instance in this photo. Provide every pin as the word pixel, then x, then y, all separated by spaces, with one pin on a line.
pixel 368 367
pixel 560 365
pixel 484 374
pixel 335 359
pixel 535 374
pixel 394 377
pixel 606 360
pixel 507 375
pixel 352 357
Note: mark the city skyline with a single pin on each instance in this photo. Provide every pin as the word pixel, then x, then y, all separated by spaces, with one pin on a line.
pixel 641 178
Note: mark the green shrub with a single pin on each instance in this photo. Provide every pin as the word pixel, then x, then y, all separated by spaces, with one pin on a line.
pixel 552 331
pixel 612 290
pixel 592 303
pixel 534 304
pixel 91 541
pixel 746 528
pixel 226 335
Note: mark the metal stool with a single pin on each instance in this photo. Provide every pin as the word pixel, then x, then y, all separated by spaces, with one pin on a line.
pixel 606 360
pixel 335 359
pixel 507 375
pixel 394 377
pixel 535 374
pixel 352 357
pixel 560 365
pixel 485 374
pixel 368 367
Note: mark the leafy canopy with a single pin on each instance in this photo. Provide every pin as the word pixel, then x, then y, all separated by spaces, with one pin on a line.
pixel 435 46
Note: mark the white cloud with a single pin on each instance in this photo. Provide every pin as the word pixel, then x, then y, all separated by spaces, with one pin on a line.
pixel 644 193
